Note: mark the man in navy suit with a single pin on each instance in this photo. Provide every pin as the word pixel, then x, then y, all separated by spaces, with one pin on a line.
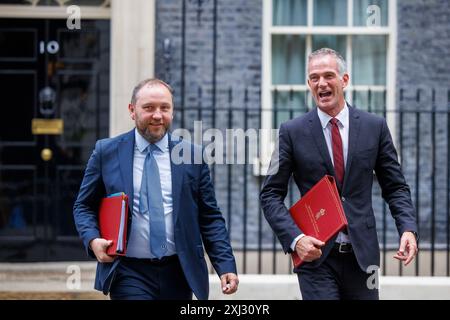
pixel 350 144
pixel 165 255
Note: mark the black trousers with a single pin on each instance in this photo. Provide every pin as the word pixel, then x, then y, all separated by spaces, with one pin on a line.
pixel 339 277
pixel 146 279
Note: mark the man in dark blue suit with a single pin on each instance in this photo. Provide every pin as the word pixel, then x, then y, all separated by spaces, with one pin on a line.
pixel 350 144
pixel 173 211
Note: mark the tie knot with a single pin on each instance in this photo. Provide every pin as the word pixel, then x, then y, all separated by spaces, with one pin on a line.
pixel 334 121
pixel 152 148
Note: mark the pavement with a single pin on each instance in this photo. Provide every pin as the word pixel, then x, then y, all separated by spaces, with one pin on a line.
pixel 74 281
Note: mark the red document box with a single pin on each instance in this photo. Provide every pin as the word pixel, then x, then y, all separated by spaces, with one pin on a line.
pixel 319 213
pixel 112 220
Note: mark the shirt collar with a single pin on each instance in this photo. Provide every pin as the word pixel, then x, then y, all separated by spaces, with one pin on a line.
pixel 142 144
pixel 325 118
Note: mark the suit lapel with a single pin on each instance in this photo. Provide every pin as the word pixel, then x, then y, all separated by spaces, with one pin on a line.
pixel 177 171
pixel 126 155
pixel 353 133
pixel 317 133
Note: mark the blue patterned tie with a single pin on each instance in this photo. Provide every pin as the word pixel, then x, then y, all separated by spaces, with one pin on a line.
pixel 151 203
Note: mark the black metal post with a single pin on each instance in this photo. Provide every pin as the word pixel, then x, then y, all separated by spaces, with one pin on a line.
pixel 245 181
pixel 433 178
pixel 183 61
pixel 417 181
pixel 229 167
pixel 214 80
pixel 448 185
pixel 291 182
pixel 401 146
pixel 259 188
pixel 274 239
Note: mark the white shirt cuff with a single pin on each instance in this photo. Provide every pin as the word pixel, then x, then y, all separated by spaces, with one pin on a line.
pixel 295 241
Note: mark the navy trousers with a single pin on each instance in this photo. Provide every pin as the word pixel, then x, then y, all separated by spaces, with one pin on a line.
pixel 147 279
pixel 339 277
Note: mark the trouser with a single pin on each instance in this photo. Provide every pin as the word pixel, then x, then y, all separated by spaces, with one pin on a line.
pixel 339 277
pixel 150 279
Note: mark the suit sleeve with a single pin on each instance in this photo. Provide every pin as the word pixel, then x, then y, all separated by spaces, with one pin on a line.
pixel 395 190
pixel 212 226
pixel 275 189
pixel 87 202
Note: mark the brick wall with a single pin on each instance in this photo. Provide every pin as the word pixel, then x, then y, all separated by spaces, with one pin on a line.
pixel 422 62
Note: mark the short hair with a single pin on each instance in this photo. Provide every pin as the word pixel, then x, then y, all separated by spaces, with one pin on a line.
pixel 342 65
pixel 150 81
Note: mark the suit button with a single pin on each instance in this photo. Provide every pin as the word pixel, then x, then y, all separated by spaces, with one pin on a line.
pixel 343 199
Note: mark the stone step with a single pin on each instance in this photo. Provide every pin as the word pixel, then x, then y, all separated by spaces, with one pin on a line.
pixel 49 295
pixel 75 281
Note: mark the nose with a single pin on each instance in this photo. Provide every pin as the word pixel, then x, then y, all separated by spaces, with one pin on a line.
pixel 322 82
pixel 157 114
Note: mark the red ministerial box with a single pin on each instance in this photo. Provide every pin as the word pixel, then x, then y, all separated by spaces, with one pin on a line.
pixel 112 220
pixel 319 213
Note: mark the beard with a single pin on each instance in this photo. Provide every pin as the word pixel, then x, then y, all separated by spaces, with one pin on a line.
pixel 154 135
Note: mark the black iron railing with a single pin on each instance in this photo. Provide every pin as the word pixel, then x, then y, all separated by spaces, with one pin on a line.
pixel 420 126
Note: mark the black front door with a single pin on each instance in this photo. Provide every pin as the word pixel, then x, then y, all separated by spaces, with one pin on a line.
pixel 48 72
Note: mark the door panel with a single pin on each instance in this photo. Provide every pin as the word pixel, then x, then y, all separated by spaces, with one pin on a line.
pixel 16 106
pixel 18 44
pixel 49 72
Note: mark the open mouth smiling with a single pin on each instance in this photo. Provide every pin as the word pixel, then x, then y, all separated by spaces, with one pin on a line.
pixel 325 94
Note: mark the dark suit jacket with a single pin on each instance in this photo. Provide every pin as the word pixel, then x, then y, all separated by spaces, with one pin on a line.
pixel 303 153
pixel 197 219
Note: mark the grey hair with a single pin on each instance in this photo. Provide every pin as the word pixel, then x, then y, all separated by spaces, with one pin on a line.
pixel 342 65
pixel 151 82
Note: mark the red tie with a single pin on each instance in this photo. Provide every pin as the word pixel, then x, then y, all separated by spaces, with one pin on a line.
pixel 338 155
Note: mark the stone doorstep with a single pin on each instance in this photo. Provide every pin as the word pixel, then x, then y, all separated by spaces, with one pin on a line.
pixel 47 266
pixel 93 295
pixel 256 287
pixel 51 281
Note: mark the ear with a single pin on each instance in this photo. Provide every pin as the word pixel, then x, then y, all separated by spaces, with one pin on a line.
pixel 131 109
pixel 345 79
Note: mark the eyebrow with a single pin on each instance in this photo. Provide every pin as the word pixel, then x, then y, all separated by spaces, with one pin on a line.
pixel 323 73
pixel 152 105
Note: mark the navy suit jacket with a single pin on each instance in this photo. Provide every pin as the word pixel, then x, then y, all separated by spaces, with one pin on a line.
pixel 198 222
pixel 303 153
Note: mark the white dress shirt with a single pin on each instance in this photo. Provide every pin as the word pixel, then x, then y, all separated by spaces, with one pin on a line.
pixel 138 242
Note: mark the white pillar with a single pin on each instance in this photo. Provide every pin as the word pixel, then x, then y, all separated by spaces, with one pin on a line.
pixel 132 56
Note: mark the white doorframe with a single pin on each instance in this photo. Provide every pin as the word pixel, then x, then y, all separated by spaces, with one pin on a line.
pixel 132 56
pixel 51 12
